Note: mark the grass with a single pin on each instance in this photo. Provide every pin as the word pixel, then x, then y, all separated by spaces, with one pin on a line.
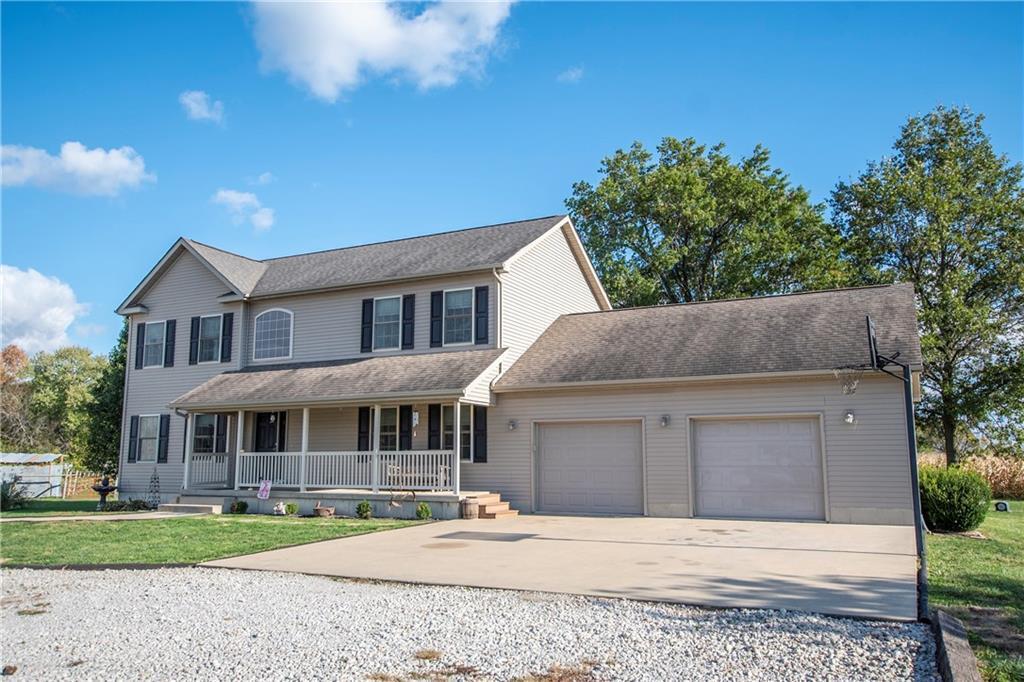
pixel 982 583
pixel 170 541
pixel 55 507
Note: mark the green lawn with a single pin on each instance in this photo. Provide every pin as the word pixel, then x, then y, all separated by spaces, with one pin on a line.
pixel 982 583
pixel 54 506
pixel 169 541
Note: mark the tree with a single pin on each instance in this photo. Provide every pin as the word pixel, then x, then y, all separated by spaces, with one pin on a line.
pixel 18 431
pixel 105 411
pixel 62 384
pixel 693 225
pixel 947 213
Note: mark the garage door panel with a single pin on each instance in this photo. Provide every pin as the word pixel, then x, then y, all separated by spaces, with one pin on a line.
pixel 759 468
pixel 590 468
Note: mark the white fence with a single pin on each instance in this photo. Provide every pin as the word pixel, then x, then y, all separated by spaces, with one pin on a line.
pixel 402 470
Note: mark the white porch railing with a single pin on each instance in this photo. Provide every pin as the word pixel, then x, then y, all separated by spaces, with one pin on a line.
pixel 209 470
pixel 402 470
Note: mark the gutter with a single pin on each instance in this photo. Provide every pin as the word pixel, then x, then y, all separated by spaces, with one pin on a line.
pixel 665 381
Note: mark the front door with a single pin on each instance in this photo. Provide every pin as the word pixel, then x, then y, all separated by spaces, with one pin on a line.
pixel 269 429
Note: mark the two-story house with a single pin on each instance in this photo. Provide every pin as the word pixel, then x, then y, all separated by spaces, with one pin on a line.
pixel 487 362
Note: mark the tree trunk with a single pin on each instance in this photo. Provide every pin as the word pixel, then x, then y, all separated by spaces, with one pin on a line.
pixel 949 434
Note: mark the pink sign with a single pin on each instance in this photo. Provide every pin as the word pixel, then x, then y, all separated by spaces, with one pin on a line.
pixel 264 492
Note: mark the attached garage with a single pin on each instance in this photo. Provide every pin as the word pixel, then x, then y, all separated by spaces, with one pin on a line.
pixel 758 468
pixel 590 468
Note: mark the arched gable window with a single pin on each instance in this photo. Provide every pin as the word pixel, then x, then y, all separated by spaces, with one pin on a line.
pixel 273 335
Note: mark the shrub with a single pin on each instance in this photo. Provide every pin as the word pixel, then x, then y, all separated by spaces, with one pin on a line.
pixel 953 499
pixel 239 507
pixel 364 510
pixel 291 509
pixel 127 505
pixel 12 495
pixel 423 511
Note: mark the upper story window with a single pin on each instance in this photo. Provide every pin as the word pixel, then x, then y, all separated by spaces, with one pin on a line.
pixel 209 338
pixel 387 322
pixel 273 335
pixel 153 350
pixel 458 316
pixel 149 436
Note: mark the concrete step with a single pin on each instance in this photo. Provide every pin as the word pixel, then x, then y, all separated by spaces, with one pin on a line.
pixel 499 514
pixel 191 508
pixel 205 500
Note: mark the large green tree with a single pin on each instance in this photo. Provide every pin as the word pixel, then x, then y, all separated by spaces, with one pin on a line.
pixel 946 212
pixel 61 396
pixel 690 224
pixel 105 411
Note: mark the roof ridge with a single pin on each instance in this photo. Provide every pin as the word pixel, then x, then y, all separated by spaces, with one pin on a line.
pixel 422 236
pixel 217 248
pixel 741 298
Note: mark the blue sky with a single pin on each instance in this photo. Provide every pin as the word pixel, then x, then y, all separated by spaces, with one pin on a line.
pixel 366 128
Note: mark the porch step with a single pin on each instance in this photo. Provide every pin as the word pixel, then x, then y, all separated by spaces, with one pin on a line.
pixel 492 507
pixel 486 498
pixel 190 508
pixel 499 514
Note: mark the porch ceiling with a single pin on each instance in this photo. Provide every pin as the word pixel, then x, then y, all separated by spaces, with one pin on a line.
pixel 378 377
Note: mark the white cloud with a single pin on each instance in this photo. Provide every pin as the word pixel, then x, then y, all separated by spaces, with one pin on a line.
pixel 571 75
pixel 37 310
pixel 262 179
pixel 77 169
pixel 331 47
pixel 198 106
pixel 245 206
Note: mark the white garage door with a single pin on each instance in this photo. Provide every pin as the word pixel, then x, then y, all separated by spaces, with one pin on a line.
pixel 590 468
pixel 759 468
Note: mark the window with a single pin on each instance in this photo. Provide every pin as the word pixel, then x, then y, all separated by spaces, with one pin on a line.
pixel 389 428
pixel 205 433
pixel 465 426
pixel 458 316
pixel 149 435
pixel 387 319
pixel 153 350
pixel 273 337
pixel 209 338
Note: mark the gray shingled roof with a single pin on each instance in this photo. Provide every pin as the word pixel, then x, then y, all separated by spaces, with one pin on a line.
pixel 362 378
pixel 792 333
pixel 477 248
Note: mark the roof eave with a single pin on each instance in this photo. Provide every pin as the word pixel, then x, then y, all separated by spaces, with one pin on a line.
pixel 447 394
pixel 480 269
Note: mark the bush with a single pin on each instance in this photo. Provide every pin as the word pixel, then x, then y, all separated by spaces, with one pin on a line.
pixel 364 510
pixel 239 507
pixel 423 511
pixel 126 505
pixel 953 499
pixel 12 495
pixel 291 509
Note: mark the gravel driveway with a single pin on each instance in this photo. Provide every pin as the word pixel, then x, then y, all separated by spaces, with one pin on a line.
pixel 174 624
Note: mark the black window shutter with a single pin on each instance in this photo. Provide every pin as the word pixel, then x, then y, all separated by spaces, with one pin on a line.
pixel 193 342
pixel 364 429
pixel 483 301
pixel 140 344
pixel 436 318
pixel 408 321
pixel 479 433
pixel 169 328
pixel 133 438
pixel 405 427
pixel 366 337
pixel 226 334
pixel 282 432
pixel 434 427
pixel 221 442
pixel 165 432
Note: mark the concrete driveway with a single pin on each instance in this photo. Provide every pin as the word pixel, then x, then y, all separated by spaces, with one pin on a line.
pixel 864 571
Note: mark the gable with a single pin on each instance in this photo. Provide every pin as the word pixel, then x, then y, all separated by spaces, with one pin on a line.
pixel 135 302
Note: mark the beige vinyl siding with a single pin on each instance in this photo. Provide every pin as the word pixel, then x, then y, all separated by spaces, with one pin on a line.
pixel 187 289
pixel 327 325
pixel 867 470
pixel 332 429
pixel 544 282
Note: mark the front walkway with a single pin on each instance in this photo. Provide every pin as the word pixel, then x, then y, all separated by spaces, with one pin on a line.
pixel 866 571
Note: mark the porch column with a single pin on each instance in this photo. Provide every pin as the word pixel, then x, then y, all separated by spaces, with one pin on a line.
pixel 456 447
pixel 375 458
pixel 190 426
pixel 239 440
pixel 305 449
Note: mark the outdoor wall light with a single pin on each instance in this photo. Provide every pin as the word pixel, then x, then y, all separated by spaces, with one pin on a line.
pixel 665 420
pixel 512 424
pixel 850 417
